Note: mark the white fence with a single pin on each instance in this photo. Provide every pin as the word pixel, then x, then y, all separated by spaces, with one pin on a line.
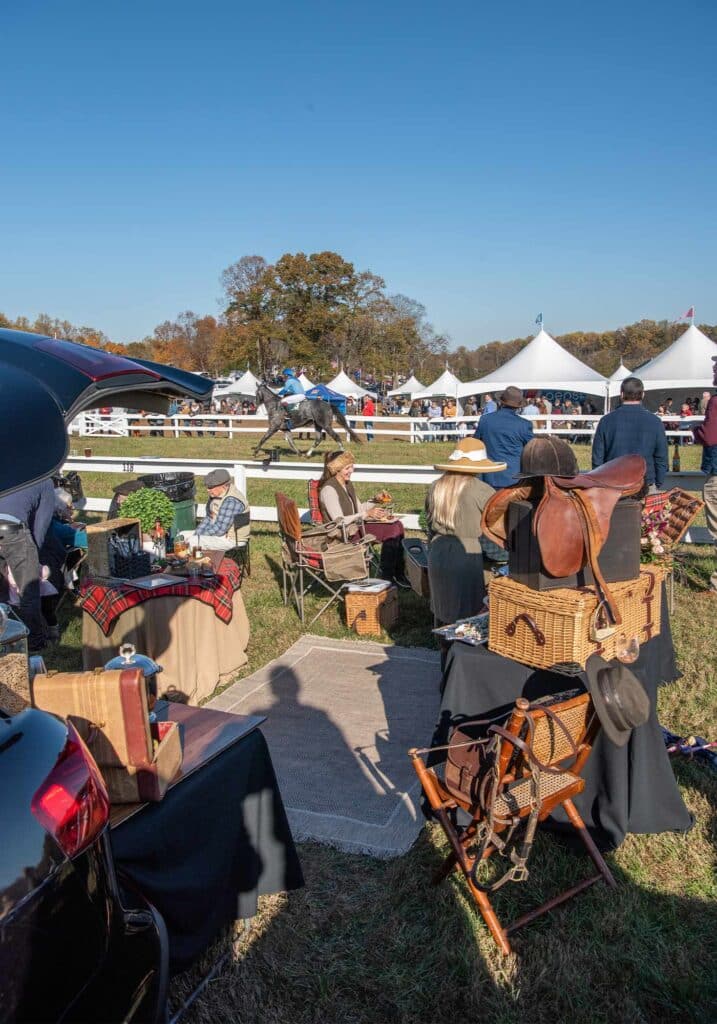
pixel 414 429
pixel 247 469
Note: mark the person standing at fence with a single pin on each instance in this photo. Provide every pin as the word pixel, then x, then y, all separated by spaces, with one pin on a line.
pixel 505 434
pixel 706 435
pixel 369 409
pixel 632 430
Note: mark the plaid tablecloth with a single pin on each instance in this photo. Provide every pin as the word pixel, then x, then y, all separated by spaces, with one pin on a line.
pixel 105 601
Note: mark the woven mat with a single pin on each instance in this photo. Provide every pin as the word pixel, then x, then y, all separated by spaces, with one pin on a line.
pixel 341 716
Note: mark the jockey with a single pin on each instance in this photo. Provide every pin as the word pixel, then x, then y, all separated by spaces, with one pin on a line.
pixel 292 391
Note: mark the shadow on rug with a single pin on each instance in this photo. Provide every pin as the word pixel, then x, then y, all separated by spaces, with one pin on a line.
pixel 341 715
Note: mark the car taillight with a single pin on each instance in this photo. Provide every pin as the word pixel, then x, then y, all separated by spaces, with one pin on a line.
pixel 72 803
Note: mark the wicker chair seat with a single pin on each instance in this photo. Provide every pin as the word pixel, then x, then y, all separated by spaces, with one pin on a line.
pixel 515 798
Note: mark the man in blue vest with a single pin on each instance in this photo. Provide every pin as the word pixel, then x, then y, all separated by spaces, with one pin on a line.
pixel 505 435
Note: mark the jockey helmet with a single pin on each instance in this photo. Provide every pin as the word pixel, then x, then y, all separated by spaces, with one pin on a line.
pixel 288 372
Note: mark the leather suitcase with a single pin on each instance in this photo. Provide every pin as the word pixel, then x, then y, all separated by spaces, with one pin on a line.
pixel 619 559
pixel 110 712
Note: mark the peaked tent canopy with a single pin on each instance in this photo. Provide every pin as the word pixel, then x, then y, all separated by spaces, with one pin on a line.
pixel 615 379
pixel 305 382
pixel 244 385
pixel 541 366
pixel 447 385
pixel 345 386
pixel 687 363
pixel 411 387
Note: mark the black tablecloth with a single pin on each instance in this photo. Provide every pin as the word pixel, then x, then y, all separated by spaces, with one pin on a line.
pixel 628 789
pixel 217 841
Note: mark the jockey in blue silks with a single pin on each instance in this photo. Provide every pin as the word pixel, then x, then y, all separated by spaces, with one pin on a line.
pixel 293 390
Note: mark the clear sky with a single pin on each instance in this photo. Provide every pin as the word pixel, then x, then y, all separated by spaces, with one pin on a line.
pixel 490 160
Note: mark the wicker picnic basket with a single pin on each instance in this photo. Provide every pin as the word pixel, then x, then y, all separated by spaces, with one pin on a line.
pixel 368 613
pixel 552 628
pixel 684 509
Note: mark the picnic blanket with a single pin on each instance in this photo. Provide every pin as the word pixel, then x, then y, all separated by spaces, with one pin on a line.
pixel 105 601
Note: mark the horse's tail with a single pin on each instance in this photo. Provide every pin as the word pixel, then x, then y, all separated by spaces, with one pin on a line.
pixel 344 423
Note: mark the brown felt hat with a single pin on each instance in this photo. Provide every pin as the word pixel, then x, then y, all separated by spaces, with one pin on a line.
pixel 470 456
pixel 620 700
pixel 512 397
pixel 547 456
pixel 217 478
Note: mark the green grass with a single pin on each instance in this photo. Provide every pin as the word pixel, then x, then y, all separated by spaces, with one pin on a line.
pixel 368 942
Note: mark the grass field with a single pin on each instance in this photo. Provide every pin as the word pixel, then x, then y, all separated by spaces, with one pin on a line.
pixel 368 942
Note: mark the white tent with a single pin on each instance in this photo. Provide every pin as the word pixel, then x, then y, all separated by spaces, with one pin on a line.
pixel 411 387
pixel 621 373
pixel 343 384
pixel 244 385
pixel 542 365
pixel 687 363
pixel 446 386
pixel 304 381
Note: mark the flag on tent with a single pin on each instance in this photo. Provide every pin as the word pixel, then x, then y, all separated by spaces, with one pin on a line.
pixel 539 319
pixel 689 315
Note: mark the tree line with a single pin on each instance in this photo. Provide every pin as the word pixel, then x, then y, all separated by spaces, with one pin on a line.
pixel 318 312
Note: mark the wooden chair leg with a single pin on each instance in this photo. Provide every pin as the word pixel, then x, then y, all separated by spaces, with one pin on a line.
pixel 491 918
pixel 595 855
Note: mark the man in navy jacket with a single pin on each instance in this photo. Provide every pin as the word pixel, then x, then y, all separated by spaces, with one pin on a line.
pixel 505 435
pixel 25 516
pixel 632 430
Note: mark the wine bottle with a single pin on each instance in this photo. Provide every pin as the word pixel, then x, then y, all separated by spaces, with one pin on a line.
pixel 676 458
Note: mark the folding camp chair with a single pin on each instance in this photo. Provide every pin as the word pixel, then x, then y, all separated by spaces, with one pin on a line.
pixel 321 555
pixel 507 779
pixel 240 552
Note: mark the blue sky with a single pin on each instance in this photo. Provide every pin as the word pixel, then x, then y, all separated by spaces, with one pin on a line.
pixel 555 157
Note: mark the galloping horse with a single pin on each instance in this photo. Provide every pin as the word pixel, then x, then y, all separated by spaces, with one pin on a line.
pixel 312 411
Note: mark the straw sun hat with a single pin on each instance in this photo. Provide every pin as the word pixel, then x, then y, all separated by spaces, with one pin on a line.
pixel 471 456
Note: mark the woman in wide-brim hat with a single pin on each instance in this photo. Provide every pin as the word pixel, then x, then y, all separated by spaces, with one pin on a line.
pixel 454 507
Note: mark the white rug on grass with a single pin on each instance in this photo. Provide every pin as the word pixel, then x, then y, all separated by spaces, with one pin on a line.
pixel 341 715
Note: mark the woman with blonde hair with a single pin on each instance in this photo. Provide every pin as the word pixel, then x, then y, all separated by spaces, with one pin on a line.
pixel 454 508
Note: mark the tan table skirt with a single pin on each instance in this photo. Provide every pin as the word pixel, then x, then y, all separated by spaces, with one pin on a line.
pixel 196 649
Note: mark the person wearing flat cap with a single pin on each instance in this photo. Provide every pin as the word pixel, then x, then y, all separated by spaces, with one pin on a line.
pixel 216 530
pixel 454 509
pixel 505 434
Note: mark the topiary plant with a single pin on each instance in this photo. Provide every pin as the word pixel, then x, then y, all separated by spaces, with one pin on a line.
pixel 148 505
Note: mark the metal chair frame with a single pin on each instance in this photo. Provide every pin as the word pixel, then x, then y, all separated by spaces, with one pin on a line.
pixel 303 564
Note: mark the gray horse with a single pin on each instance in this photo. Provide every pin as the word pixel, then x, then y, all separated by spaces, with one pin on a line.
pixel 314 412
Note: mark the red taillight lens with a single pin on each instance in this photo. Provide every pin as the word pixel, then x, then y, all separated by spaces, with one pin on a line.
pixel 72 803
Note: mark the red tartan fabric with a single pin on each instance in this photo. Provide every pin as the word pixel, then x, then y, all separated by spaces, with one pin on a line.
pixel 106 602
pixel 314 508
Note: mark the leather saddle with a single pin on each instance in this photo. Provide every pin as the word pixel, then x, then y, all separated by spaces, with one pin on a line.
pixel 572 516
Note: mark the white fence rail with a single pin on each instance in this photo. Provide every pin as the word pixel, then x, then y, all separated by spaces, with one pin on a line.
pixel 414 429
pixel 247 469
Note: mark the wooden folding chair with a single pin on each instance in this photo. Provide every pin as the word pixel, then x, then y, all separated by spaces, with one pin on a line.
pixel 508 779
pixel 321 555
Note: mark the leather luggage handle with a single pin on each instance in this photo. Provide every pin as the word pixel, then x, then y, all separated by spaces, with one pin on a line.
pixel 530 621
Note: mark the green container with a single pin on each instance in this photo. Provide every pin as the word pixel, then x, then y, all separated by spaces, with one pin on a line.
pixel 185 515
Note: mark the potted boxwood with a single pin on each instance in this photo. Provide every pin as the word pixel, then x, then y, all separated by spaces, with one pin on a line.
pixel 150 507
